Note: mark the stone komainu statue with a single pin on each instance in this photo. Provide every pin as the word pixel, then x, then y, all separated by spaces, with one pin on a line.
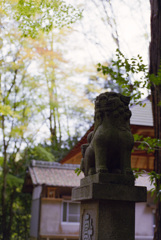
pixel 109 145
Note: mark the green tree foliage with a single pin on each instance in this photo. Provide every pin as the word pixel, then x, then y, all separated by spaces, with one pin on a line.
pixel 21 103
pixel 46 152
pixel 34 16
pixel 127 76
pixel 18 203
pixel 60 95
pixel 147 143
pixel 130 74
pixel 17 93
pixel 34 95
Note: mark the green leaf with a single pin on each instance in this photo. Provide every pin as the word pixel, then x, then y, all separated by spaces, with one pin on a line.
pixel 78 171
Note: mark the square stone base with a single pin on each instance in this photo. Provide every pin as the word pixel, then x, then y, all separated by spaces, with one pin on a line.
pixel 107 220
pixel 108 206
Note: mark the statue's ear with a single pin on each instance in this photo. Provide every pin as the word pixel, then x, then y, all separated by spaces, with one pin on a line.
pixel 125 99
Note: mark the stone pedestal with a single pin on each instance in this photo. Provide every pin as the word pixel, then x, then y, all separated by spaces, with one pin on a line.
pixel 108 206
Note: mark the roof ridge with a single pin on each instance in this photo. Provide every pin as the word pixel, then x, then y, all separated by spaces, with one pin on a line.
pixel 45 164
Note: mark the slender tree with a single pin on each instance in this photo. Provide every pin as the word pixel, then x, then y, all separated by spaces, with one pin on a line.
pixel 155 60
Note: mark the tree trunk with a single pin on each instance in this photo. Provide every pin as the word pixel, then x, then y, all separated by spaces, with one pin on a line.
pixel 4 186
pixel 155 59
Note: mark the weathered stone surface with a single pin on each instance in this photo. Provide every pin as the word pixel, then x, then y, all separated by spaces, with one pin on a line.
pixel 108 178
pixel 109 191
pixel 109 145
pixel 89 216
pixel 107 220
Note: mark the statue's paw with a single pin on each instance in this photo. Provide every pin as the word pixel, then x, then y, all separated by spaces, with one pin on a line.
pixel 103 170
pixel 91 171
pixel 116 170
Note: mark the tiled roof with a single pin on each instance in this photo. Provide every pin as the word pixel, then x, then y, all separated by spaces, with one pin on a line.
pixel 54 174
pixel 142 115
pixel 63 175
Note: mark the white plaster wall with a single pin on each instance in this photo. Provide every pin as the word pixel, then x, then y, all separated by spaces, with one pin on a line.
pixel 70 228
pixel 51 220
pixel 50 217
pixel 143 220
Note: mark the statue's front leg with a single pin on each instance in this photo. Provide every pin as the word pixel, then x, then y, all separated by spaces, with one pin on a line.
pixel 125 160
pixel 101 160
pixel 89 162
